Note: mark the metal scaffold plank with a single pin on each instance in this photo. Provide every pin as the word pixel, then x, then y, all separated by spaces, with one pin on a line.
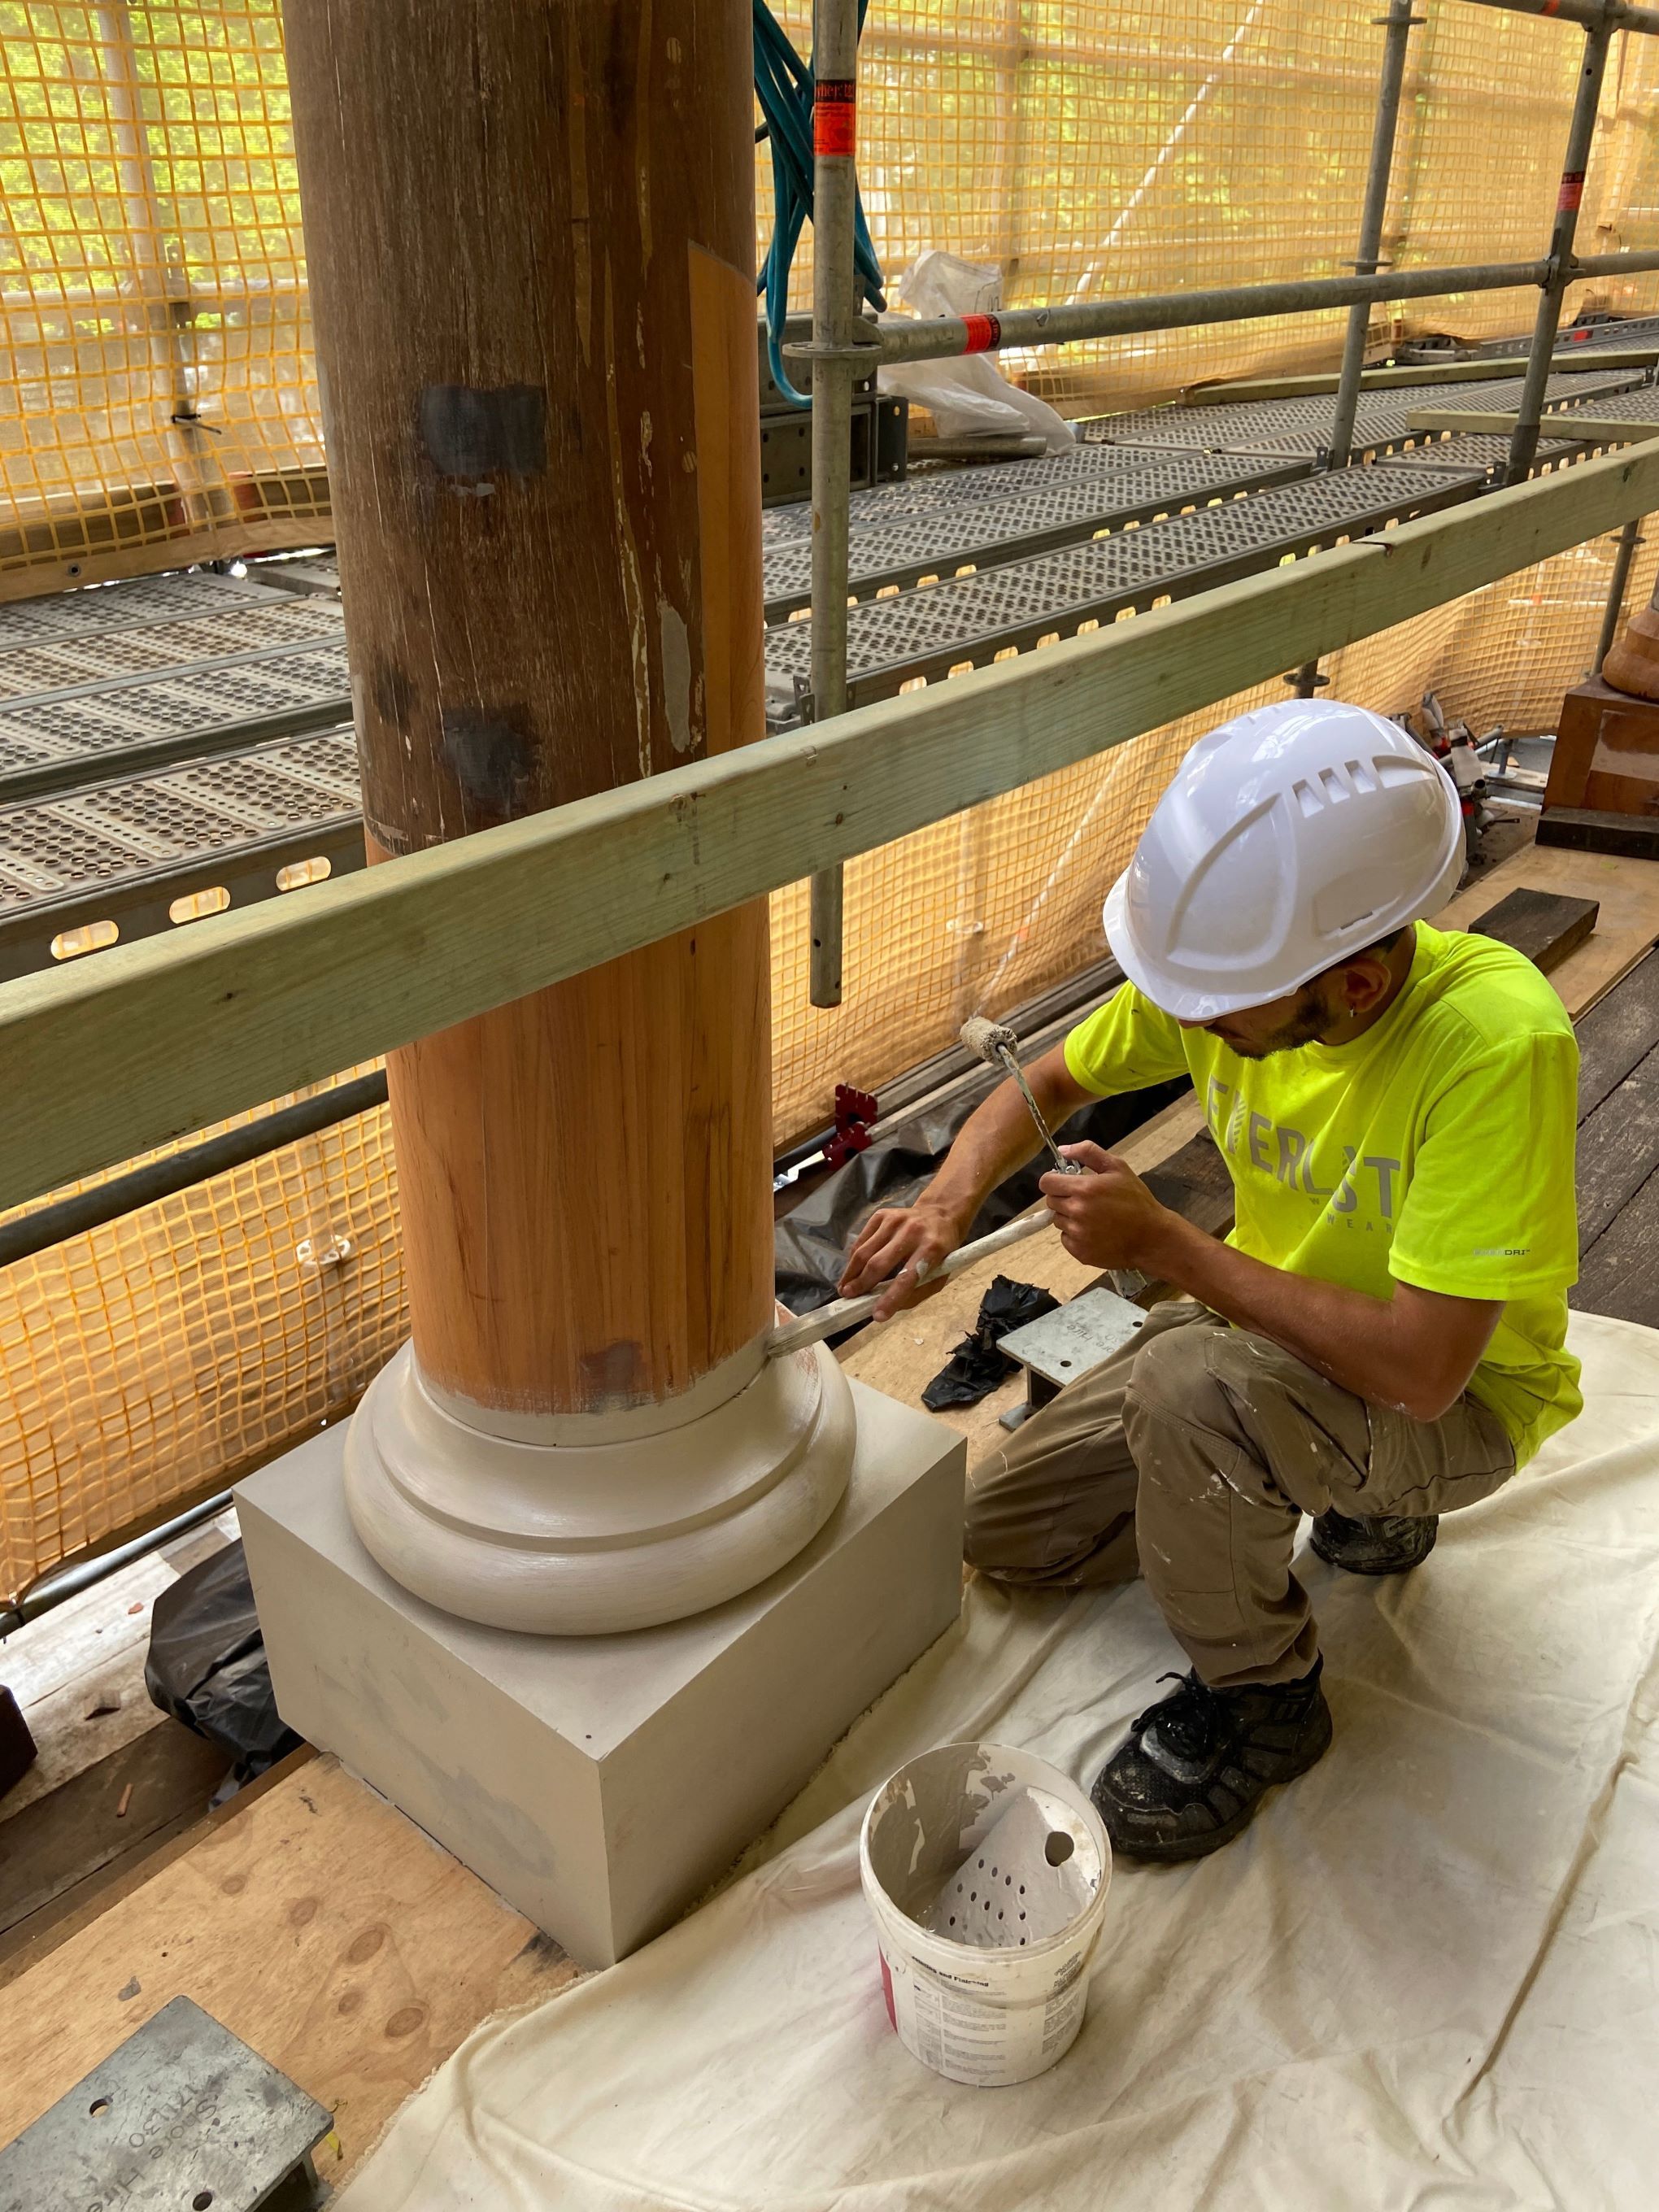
pixel 126 853
pixel 972 620
pixel 1303 426
pixel 54 742
pixel 1071 503
pixel 110 1056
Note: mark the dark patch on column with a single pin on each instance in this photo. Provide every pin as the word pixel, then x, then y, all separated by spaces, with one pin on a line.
pixel 613 1377
pixel 393 693
pixel 490 751
pixel 499 430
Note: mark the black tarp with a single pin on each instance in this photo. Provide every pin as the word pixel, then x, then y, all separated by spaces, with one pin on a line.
pixel 207 1664
pixel 811 1242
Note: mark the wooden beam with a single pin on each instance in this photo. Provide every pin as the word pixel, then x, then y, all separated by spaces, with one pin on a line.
pixel 1543 924
pixel 133 1047
pixel 58 555
pixel 1595 829
pixel 1570 422
pixel 1389 379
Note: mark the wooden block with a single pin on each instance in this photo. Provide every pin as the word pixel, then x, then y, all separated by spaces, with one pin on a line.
pixel 318 1924
pixel 1589 830
pixel 1543 924
pixel 17 1749
pixel 1606 755
pixel 1626 891
pixel 1195 1183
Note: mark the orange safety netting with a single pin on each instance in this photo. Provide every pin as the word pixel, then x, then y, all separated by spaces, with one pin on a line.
pixel 158 404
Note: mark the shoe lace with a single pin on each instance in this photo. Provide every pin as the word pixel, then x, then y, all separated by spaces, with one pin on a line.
pixel 1189 1720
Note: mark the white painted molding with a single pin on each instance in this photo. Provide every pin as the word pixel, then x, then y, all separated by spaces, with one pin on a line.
pixel 597 1531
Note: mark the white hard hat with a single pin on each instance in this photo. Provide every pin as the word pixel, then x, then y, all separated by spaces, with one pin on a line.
pixel 1291 838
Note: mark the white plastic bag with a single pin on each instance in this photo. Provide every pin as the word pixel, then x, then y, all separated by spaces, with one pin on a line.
pixel 966 396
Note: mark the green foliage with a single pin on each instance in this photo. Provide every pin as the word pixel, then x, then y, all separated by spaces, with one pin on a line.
pixel 146 151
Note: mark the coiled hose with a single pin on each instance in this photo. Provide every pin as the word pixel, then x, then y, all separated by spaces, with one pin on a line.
pixel 784 87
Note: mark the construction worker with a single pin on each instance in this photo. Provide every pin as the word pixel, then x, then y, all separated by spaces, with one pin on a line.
pixel 1381 1340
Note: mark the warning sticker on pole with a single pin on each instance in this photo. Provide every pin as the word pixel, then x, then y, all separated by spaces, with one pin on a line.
pixel 1572 192
pixel 984 333
pixel 835 115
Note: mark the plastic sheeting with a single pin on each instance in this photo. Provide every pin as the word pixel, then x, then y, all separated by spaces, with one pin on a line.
pixel 206 1664
pixel 1424 1977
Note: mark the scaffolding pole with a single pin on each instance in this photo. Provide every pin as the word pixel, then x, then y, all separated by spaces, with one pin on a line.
pixel 835 202
pixel 1629 539
pixel 944 337
pixel 1523 439
pixel 1592 14
pixel 841 341
pixel 1398 26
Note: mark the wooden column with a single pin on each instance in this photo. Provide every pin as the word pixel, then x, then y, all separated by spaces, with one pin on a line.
pixel 530 230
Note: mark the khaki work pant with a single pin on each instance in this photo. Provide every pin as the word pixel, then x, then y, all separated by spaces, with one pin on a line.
pixel 1190 1457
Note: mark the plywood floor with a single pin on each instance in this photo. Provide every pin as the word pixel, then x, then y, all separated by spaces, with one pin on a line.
pixel 319 1925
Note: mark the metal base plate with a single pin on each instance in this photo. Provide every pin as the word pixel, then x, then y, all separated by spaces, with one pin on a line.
pixel 182 2115
pixel 1071 1342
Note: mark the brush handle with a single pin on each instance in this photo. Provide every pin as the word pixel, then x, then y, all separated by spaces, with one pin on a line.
pixel 843 1313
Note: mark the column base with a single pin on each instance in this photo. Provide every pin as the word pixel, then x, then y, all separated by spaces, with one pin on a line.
pixel 601 1783
pixel 580 1524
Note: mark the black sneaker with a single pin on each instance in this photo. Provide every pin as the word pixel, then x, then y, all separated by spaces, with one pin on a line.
pixel 1389 1546
pixel 1196 1767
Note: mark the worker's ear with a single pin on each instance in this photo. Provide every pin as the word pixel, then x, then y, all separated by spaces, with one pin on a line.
pixel 1363 980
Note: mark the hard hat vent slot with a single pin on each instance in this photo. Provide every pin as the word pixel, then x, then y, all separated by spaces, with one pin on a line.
pixel 1336 789
pixel 1360 777
pixel 1308 800
pixel 1395 774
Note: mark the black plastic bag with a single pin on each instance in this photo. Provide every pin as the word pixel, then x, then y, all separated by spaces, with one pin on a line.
pixel 207 1664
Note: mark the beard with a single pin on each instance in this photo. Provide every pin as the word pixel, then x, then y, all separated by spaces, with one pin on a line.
pixel 1307 1020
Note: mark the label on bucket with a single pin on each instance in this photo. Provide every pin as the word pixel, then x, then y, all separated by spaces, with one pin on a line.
pixel 966 2033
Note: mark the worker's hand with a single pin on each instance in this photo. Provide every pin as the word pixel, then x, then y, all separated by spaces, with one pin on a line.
pixel 900 1240
pixel 1107 1218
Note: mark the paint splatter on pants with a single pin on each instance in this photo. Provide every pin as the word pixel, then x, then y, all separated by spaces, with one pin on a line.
pixel 1190 1457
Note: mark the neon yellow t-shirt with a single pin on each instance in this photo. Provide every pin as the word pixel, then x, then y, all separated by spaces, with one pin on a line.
pixel 1436 1150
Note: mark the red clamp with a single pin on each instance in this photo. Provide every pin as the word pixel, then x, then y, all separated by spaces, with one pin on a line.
pixel 855 1113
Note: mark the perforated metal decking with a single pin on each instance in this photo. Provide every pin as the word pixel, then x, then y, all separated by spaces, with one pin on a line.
pixel 126 851
pixel 76 661
pixel 939 487
pixel 1302 426
pixel 1464 451
pixel 969 621
pixel 52 741
pixel 111 702
pixel 1070 500
pixel 123 606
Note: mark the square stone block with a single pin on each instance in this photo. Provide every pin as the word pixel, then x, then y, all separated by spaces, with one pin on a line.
pixel 600 1784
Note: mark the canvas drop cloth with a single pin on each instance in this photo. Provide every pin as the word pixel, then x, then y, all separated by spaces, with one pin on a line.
pixel 1425 1978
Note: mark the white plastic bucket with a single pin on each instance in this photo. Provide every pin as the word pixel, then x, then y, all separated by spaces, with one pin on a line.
pixel 987 2016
